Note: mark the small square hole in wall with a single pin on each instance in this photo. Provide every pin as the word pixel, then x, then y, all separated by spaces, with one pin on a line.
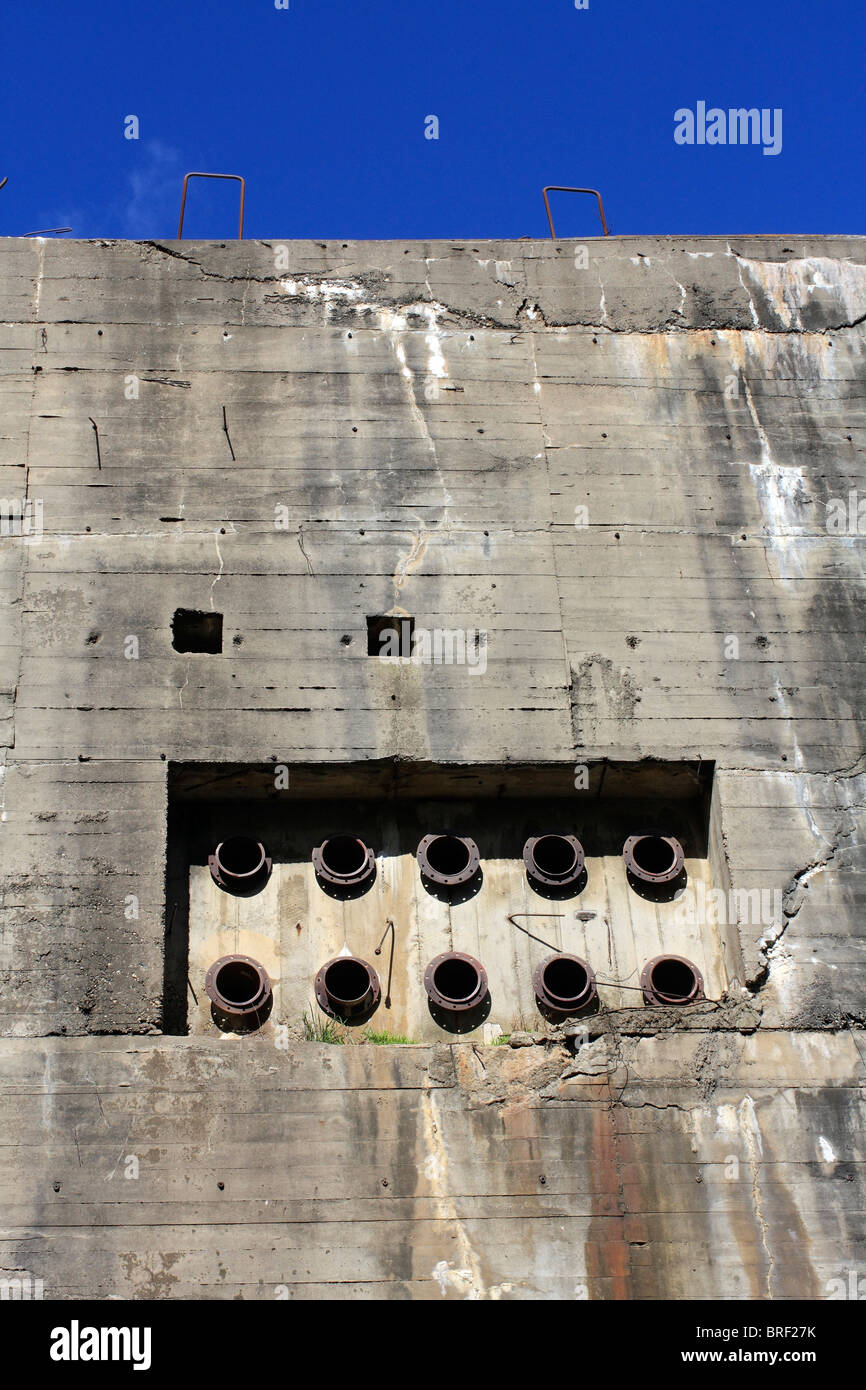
pixel 192 631
pixel 391 635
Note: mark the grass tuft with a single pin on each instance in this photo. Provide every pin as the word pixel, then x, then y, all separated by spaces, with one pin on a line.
pixel 387 1039
pixel 323 1030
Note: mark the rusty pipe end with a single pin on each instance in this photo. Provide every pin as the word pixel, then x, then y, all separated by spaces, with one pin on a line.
pixel 348 989
pixel 240 992
pixel 457 991
pixel 344 861
pixel 448 860
pixel 671 980
pixel 240 865
pixel 564 986
pixel 653 860
pixel 554 860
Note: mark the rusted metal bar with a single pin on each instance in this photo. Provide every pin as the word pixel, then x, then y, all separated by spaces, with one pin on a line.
pixel 561 188
pixel 390 928
pixel 197 175
pixel 228 436
pixel 98 450
pixel 512 918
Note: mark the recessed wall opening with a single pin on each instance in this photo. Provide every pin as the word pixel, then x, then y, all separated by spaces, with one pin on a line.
pixel 450 865
pixel 371 827
pixel 555 865
pixel 240 865
pixel 240 994
pixel 390 635
pixel 673 979
pixel 458 997
pixel 348 988
pixel 345 866
pixel 565 986
pixel 192 631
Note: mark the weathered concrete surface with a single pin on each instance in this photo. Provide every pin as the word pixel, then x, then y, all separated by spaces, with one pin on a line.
pixel 423 421
pixel 704 1166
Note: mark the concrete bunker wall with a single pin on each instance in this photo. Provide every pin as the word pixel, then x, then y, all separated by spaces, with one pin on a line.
pixel 621 469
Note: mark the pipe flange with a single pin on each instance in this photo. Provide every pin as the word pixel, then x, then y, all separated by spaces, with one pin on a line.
pixel 348 989
pixel 564 986
pixel 553 861
pixel 240 865
pixel 671 980
pixel 448 860
pixel 655 860
pixel 455 982
pixel 344 861
pixel 458 996
pixel 240 991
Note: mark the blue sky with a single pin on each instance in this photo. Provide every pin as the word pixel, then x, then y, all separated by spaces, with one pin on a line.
pixel 322 107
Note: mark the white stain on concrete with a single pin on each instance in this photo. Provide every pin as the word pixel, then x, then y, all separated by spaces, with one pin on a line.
pixel 782 494
pixel 791 286
pixel 464 1274
pixel 323 291
pixel 783 976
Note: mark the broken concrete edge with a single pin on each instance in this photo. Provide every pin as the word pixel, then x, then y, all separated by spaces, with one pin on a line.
pixel 364 284
pixel 536 1065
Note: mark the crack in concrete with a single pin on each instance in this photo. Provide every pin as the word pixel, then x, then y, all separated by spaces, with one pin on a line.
pixel 303 551
pixel 754 1145
pixel 526 312
pixel 794 894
